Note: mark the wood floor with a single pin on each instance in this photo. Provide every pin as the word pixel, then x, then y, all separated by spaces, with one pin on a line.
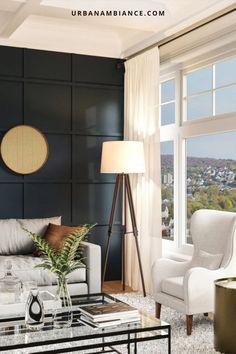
pixel 115 287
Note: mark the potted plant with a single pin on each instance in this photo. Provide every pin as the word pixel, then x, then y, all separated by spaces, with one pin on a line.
pixel 62 262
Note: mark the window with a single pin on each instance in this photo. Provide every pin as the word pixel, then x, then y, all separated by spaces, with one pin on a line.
pixel 211 174
pixel 167 106
pixel 167 189
pixel 225 86
pixel 199 169
pixel 210 91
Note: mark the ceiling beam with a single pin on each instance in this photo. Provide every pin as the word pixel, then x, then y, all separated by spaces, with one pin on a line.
pixel 29 8
pixel 9 5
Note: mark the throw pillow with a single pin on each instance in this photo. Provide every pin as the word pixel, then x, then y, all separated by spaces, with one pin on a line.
pixel 55 235
pixel 15 241
pixel 206 260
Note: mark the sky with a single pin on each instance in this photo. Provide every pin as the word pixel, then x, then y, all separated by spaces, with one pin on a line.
pixel 218 146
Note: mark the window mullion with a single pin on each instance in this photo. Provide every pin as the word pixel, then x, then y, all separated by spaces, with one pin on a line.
pixel 213 90
pixel 183 97
pixel 179 119
pixel 181 160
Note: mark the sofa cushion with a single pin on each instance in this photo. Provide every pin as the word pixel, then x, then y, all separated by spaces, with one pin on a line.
pixel 56 234
pixel 174 286
pixel 14 240
pixel 23 268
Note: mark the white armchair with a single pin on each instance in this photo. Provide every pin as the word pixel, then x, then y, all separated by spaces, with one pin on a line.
pixel 188 287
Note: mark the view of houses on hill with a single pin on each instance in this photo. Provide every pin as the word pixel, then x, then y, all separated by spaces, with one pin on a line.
pixel 206 172
pixel 210 184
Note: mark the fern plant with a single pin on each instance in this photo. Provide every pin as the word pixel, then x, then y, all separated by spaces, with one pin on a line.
pixel 69 258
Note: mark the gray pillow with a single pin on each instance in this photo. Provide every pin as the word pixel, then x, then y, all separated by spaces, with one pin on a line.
pixel 206 260
pixel 14 240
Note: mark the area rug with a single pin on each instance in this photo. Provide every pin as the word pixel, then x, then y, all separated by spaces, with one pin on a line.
pixel 201 340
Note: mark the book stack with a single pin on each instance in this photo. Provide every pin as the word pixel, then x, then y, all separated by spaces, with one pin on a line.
pixel 109 314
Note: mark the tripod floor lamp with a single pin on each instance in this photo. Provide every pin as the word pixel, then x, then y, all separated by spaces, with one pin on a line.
pixel 123 158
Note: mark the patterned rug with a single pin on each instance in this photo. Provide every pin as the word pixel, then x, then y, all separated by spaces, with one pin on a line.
pixel 200 342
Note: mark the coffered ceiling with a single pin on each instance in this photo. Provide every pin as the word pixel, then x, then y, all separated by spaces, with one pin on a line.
pixel 49 24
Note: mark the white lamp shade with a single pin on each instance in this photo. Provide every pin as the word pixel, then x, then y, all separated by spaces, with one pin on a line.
pixel 122 157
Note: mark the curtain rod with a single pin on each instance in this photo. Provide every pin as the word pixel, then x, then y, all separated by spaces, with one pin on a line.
pixel 189 29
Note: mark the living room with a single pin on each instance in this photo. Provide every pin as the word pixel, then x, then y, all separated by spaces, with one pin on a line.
pixel 117 176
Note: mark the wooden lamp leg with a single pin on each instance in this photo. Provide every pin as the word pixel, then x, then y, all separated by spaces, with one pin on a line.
pixel 135 230
pixel 123 186
pixel 111 221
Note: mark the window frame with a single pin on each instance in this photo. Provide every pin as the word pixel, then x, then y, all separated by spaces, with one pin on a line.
pixel 179 132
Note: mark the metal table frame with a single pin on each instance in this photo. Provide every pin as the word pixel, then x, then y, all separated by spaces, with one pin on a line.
pixel 130 336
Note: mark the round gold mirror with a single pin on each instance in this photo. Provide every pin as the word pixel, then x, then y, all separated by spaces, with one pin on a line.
pixel 24 149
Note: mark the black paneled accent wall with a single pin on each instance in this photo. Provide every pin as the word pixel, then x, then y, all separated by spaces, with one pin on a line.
pixel 77 102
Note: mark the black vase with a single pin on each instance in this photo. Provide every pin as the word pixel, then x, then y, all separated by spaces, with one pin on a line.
pixel 34 311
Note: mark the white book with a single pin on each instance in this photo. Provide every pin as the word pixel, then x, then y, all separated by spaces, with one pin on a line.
pixel 110 323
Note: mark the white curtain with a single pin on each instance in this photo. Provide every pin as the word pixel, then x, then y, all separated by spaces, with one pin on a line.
pixel 142 124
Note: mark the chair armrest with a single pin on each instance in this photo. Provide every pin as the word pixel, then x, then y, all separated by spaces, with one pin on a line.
pixel 199 289
pixel 165 268
pixel 92 254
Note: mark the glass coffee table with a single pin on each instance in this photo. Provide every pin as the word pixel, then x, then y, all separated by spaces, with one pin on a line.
pixel 124 338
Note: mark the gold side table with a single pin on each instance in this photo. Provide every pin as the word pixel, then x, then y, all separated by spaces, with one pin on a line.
pixel 225 316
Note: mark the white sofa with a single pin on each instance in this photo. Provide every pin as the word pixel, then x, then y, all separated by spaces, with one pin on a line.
pixel 188 287
pixel 16 246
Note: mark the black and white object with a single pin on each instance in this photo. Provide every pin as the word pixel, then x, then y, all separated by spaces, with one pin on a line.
pixel 34 311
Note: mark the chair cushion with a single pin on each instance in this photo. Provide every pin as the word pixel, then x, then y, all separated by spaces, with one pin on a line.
pixel 14 240
pixel 23 268
pixel 174 286
pixel 206 260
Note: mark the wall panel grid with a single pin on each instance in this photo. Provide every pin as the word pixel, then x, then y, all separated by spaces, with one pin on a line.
pixel 77 102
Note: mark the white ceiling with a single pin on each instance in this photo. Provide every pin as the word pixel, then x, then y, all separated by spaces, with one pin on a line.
pixel 49 25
